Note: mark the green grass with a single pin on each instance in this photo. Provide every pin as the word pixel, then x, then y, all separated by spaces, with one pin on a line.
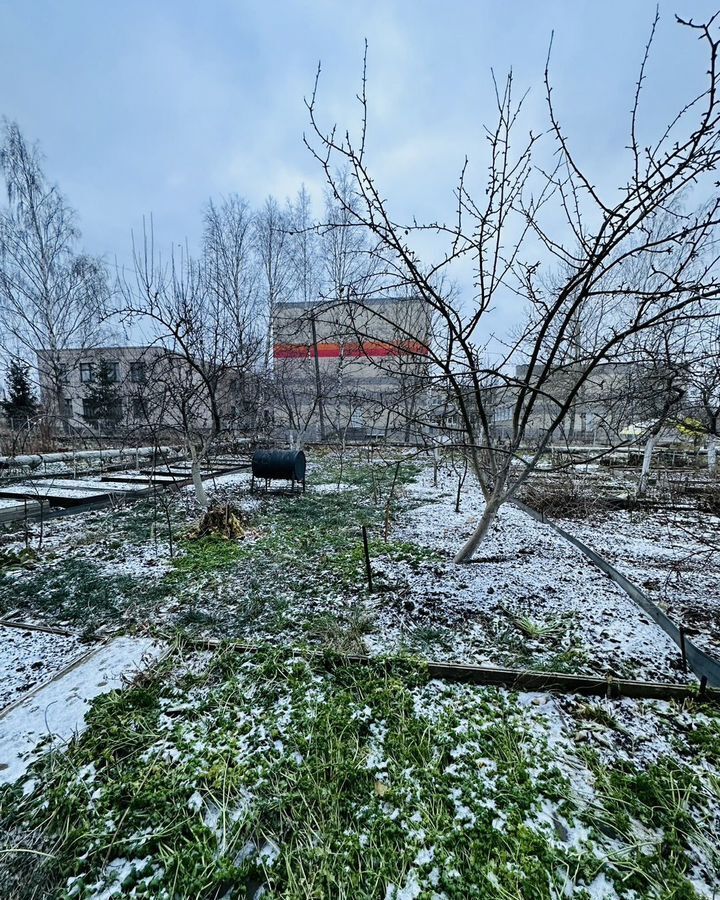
pixel 665 800
pixel 298 578
pixel 423 639
pixel 311 778
pixel 281 753
pixel 540 645
pixel 139 520
pixel 73 591
pixel 207 555
pixel 539 630
pixel 373 478
pixel 316 779
pixel 26 558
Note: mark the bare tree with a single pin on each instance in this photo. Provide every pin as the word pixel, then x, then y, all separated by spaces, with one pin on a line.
pixel 237 313
pixel 52 297
pixel 705 384
pixel 306 264
pixel 305 250
pixel 662 388
pixel 203 312
pixel 297 393
pixel 510 231
pixel 272 246
pixel 349 265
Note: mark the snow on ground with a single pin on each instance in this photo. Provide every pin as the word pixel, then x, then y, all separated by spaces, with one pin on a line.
pixel 524 577
pixel 226 488
pixel 577 795
pixel 9 502
pixel 30 658
pixel 673 556
pixel 53 468
pixel 57 711
pixel 150 560
pixel 56 531
pixel 331 488
pixel 530 599
pixel 73 536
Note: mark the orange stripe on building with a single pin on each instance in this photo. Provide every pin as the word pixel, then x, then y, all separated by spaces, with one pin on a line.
pixel 336 351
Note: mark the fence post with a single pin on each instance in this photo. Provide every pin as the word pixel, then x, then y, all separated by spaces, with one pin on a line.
pixel 683 649
pixel 366 548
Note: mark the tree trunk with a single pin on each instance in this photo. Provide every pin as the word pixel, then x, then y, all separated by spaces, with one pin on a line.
pixel 318 382
pixel 647 460
pixel 486 520
pixel 712 454
pixel 200 494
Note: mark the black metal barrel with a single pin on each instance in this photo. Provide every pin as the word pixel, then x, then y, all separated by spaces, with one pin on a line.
pixel 274 464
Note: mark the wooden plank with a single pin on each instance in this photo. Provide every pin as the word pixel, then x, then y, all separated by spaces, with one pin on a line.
pixel 512 679
pixel 25 626
pixel 141 479
pixel 12 509
pixel 103 487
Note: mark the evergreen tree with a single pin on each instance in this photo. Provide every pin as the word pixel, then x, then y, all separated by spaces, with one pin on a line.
pixel 21 403
pixel 103 402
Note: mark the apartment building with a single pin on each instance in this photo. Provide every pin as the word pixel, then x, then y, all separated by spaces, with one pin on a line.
pixel 352 369
pixel 613 399
pixel 136 387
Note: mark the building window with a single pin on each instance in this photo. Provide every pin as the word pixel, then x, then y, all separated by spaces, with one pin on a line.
pixel 138 408
pixel 113 370
pixel 88 409
pixel 137 372
pixel 68 407
pixel 86 372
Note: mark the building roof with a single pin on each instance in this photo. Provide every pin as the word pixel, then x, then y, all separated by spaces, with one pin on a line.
pixel 369 301
pixel 102 349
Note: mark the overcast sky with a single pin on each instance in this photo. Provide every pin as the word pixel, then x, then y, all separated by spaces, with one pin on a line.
pixel 157 106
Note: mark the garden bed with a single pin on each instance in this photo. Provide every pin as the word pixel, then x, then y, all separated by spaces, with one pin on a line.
pixel 297 576
pixel 225 773
pixel 672 556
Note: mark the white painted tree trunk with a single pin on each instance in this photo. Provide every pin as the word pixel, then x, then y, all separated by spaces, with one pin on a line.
pixel 476 538
pixel 200 494
pixel 712 454
pixel 646 463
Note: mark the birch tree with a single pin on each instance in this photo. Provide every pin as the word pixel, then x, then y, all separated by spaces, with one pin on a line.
pixel 272 245
pixel 349 265
pixel 665 368
pixel 307 283
pixel 272 240
pixel 52 296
